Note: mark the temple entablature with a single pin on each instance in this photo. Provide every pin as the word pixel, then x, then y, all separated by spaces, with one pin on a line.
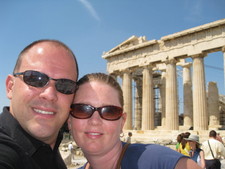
pixel 138 51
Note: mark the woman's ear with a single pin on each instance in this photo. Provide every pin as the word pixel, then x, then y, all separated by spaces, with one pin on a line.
pixel 124 117
pixel 69 123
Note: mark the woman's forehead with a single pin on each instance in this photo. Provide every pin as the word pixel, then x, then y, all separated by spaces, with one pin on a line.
pixel 97 91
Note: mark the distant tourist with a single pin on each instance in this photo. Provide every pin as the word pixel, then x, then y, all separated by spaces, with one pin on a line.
pixel 214 150
pixel 70 147
pixel 179 139
pixel 129 137
pixel 71 150
pixel 196 153
pixel 184 147
pixel 219 138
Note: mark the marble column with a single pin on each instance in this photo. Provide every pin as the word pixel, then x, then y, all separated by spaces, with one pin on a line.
pixel 127 94
pixel 163 99
pixel 187 91
pixel 147 100
pixel 200 114
pixel 138 103
pixel 213 105
pixel 172 122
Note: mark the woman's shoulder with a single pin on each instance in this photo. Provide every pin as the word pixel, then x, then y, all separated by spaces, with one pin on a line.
pixel 146 155
pixel 150 149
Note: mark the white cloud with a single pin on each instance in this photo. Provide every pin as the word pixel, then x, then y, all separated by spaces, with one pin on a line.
pixel 90 9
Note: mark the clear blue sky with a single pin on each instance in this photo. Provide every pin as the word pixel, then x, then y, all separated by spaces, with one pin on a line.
pixel 90 27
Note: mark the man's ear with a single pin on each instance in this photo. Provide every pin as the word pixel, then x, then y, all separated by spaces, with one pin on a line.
pixel 9 85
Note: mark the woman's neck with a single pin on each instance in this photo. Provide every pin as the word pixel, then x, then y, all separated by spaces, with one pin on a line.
pixel 103 161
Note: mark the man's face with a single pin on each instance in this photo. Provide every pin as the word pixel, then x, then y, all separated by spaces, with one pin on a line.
pixel 42 111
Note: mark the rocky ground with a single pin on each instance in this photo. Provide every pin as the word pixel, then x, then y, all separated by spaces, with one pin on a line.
pixel 77 162
pixel 74 160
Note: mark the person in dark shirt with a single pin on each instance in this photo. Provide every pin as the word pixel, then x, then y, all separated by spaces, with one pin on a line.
pixel 41 90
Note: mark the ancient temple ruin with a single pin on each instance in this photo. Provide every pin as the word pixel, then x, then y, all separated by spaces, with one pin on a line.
pixel 152 65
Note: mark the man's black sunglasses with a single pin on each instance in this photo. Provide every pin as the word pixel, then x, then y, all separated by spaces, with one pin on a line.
pixel 38 79
pixel 85 111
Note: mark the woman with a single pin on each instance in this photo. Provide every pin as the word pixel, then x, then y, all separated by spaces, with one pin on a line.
pixel 96 122
pixel 179 139
pixel 184 147
pixel 196 153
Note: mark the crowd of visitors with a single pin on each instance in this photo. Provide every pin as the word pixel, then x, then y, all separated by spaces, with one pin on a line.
pixel 206 155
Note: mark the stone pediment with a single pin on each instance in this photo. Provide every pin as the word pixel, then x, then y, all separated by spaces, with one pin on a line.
pixel 132 41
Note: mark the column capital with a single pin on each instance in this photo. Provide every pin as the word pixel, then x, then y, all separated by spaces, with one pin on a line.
pixel 186 65
pixel 117 73
pixel 149 67
pixel 223 49
pixel 200 55
pixel 127 71
pixel 170 61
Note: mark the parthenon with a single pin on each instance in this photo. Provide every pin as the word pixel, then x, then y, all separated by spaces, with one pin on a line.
pixel 152 64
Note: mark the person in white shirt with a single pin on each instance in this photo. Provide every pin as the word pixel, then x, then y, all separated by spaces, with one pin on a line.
pixel 214 150
pixel 70 148
pixel 129 137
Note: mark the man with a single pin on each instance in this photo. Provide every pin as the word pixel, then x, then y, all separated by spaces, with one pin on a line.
pixel 41 91
pixel 213 149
